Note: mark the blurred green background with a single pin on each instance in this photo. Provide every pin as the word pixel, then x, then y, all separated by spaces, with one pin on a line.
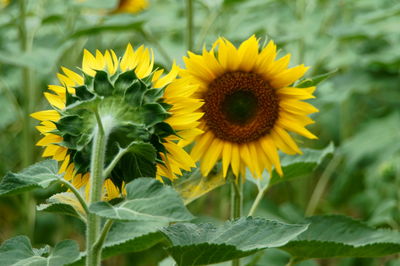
pixel 359 105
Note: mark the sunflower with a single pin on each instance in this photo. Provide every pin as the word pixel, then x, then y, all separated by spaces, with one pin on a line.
pixel 249 106
pixel 131 6
pixel 145 107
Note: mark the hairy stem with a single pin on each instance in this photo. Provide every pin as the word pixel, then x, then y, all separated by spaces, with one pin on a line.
pixel 256 202
pixel 237 204
pixel 100 241
pixel 96 182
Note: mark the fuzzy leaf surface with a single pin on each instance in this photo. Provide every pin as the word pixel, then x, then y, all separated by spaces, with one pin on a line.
pixel 18 251
pixel 39 175
pixel 340 236
pixel 297 166
pixel 126 237
pixel 147 200
pixel 198 244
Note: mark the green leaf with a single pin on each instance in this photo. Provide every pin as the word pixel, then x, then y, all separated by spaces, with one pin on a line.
pixel 39 175
pixel 300 165
pixel 198 244
pixel 127 237
pixel 314 81
pixel 197 185
pixel 137 25
pixel 340 236
pixel 18 251
pixel 62 203
pixel 141 161
pixel 135 236
pixel 147 200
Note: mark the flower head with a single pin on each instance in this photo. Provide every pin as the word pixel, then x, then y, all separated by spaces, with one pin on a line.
pixel 142 110
pixel 249 106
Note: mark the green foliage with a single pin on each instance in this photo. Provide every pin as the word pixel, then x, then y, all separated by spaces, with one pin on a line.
pixel 340 236
pixel 297 166
pixel 147 200
pixel 55 205
pixel 198 244
pixel 39 175
pixel 314 81
pixel 18 251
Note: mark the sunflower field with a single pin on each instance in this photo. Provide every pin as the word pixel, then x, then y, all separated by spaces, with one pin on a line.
pixel 200 132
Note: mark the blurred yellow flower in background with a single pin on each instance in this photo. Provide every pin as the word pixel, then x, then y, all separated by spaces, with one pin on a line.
pixel 131 6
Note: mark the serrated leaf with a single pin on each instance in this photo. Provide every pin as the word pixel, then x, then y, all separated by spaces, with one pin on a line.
pixel 340 236
pixel 139 161
pixel 127 237
pixel 105 28
pixel 314 81
pixel 147 200
pixel 300 165
pixel 18 251
pixel 39 175
pixel 198 244
pixel 62 203
pixel 197 185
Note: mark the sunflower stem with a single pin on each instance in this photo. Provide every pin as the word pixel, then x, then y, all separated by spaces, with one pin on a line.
pixel 104 232
pixel 96 182
pixel 257 201
pixel 28 101
pixel 236 203
pixel 189 24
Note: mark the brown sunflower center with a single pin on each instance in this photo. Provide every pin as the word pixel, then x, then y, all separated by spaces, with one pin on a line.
pixel 240 107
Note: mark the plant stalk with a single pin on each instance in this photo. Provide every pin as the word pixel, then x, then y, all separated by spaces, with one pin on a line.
pixel 189 24
pixel 28 99
pixel 256 202
pixel 96 182
pixel 237 204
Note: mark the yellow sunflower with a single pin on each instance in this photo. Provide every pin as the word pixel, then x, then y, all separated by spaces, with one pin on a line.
pixel 182 115
pixel 132 6
pixel 249 106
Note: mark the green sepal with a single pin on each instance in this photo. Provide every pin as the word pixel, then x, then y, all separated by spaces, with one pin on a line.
pixel 71 125
pixel 163 130
pixel 154 113
pixel 101 84
pixel 153 95
pixel 135 93
pixel 83 93
pixel 124 81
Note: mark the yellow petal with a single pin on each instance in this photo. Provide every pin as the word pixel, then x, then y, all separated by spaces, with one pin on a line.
pixel 49 139
pixel 284 141
pixel 226 157
pixel 288 76
pixel 269 149
pixel 51 115
pixel 55 100
pixel 211 156
pixel 78 79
